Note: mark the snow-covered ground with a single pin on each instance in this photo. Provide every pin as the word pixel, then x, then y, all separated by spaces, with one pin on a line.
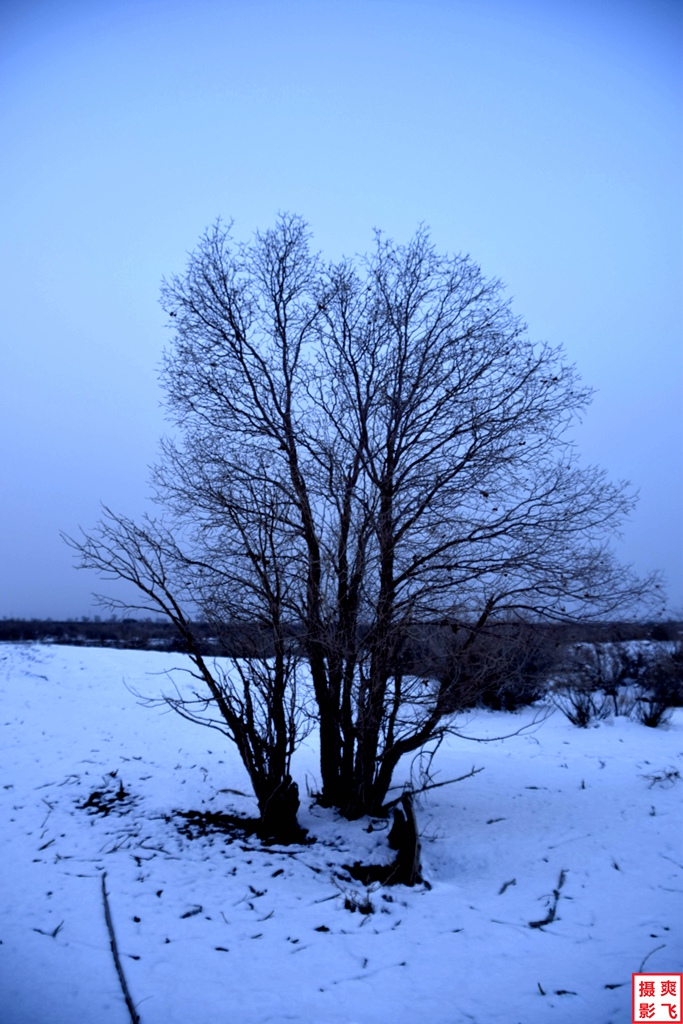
pixel 213 931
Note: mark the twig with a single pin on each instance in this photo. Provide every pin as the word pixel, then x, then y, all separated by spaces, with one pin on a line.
pixel 432 785
pixel 49 812
pixel 676 862
pixel 553 907
pixel 667 777
pixel 53 934
pixel 115 953
pixel 282 853
pixel 326 899
pixel 537 720
pixel 651 953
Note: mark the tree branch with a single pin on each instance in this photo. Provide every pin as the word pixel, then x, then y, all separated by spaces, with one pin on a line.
pixel 115 953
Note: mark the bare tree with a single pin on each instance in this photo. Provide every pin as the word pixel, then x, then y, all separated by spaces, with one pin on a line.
pixel 254 699
pixel 363 448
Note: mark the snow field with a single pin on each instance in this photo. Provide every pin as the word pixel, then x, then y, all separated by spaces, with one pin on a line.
pixel 213 930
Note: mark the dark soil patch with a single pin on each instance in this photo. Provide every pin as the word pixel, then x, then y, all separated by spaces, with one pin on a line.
pixel 196 824
pixel 108 801
pixel 369 873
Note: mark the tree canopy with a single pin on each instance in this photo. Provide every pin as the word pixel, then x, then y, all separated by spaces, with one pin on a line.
pixel 362 449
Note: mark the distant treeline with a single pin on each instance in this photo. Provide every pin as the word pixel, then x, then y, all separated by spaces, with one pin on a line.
pixel 133 634
pixel 244 640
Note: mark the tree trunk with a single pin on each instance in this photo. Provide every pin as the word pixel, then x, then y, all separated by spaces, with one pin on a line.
pixel 330 752
pixel 278 809
pixel 405 840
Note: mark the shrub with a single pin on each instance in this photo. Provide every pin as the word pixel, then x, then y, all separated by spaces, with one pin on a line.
pixel 661 688
pixel 580 704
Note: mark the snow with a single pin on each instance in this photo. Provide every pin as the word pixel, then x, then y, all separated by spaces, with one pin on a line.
pixel 211 929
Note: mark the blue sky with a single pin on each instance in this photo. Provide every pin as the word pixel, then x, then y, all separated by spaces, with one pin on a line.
pixel 543 138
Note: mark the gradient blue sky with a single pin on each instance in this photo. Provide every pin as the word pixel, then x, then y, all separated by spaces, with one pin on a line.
pixel 544 138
